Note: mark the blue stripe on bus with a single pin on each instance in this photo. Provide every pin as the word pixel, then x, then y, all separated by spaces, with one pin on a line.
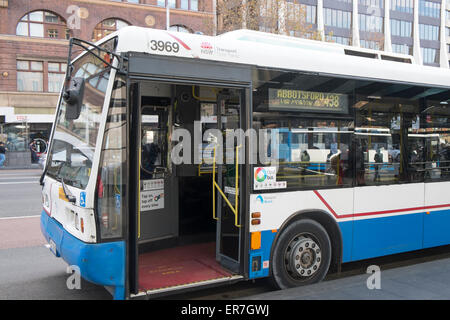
pixel 382 236
pixel 100 263
pixel 347 239
pixel 376 237
pixel 436 228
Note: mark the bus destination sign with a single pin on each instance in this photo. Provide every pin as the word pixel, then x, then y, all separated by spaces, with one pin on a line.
pixel 309 101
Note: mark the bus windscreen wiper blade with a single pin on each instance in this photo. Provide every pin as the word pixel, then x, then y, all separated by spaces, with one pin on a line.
pixel 67 192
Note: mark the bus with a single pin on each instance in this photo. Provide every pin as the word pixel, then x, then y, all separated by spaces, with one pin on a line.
pixel 182 161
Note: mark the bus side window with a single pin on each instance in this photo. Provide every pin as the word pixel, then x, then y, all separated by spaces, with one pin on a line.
pixel 429 143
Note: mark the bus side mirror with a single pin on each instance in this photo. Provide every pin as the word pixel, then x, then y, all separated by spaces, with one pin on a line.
pixel 74 98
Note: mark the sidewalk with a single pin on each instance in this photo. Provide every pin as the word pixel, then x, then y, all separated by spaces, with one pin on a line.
pixel 423 281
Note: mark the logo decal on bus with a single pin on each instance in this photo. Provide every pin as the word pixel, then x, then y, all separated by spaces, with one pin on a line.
pixel 267 199
pixel 260 174
pixel 260 198
pixel 83 199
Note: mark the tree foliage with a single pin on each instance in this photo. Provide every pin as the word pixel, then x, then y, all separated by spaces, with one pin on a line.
pixel 273 16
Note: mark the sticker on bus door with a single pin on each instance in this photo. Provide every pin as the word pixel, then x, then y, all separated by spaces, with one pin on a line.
pixel 152 200
pixel 265 178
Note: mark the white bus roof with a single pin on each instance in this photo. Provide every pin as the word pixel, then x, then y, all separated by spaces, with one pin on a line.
pixel 282 52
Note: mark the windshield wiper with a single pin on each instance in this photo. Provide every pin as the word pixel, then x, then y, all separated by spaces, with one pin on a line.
pixel 67 192
pixel 90 47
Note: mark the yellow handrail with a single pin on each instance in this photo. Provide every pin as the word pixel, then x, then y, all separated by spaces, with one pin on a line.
pixel 236 187
pixel 215 185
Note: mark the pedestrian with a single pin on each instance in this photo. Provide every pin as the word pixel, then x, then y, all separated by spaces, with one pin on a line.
pixel 34 156
pixel 2 154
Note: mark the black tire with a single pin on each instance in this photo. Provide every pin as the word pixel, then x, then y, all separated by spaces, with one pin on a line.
pixel 301 256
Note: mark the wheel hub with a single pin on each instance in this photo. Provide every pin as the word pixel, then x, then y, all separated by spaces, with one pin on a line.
pixel 304 257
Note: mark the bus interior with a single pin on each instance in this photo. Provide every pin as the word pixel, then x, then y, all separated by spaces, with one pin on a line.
pixel 180 236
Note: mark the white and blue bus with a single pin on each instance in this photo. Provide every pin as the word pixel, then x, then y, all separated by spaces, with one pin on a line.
pixel 351 160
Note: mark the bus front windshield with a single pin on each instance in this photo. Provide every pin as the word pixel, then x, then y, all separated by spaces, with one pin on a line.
pixel 74 141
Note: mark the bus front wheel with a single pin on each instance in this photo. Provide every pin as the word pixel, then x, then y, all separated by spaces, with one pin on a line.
pixel 301 255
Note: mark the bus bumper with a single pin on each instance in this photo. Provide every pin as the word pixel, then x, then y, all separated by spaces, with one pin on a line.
pixel 100 263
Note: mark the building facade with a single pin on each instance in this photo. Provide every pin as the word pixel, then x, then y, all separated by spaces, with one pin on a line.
pixel 33 55
pixel 34 40
pixel 416 27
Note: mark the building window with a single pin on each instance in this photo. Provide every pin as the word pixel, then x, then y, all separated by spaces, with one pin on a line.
pixel 43 24
pixel 428 32
pixel 193 5
pixel 430 55
pixel 183 4
pixel 371 44
pixel 106 27
pixel 30 76
pixel 402 5
pixel 402 48
pixel 300 16
pixel 429 9
pixel 341 40
pixel 180 28
pixel 370 23
pixel 310 13
pixel 371 3
pixel 401 28
pixel 337 18
pixel 56 73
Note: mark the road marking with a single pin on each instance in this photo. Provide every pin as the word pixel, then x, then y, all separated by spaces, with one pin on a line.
pixel 21 177
pixel 20 217
pixel 20 174
pixel 23 182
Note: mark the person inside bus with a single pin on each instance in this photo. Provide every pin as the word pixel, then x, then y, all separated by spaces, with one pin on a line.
pixel 150 153
pixel 359 169
pixel 304 158
pixel 378 158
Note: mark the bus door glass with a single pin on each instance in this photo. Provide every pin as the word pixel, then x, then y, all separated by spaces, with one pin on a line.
pixel 156 218
pixel 229 209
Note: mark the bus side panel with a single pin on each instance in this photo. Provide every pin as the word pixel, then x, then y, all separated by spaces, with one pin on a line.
pixel 437 216
pixel 387 220
pixel 377 237
pixel 277 208
pixel 347 239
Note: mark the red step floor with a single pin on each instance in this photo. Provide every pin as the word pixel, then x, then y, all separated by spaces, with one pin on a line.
pixel 178 266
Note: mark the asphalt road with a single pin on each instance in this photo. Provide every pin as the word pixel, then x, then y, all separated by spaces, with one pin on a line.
pixel 20 193
pixel 28 270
